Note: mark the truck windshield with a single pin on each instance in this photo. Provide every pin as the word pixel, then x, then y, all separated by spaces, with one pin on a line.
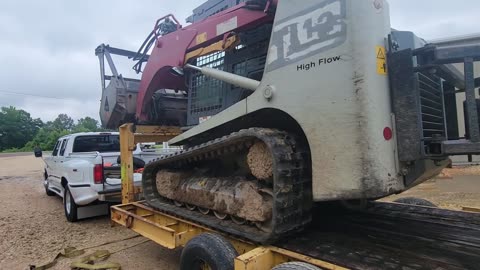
pixel 97 143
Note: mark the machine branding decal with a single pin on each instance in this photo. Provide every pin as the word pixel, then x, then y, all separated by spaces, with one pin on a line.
pixel 314 30
pixel 201 38
pixel 381 60
pixel 319 63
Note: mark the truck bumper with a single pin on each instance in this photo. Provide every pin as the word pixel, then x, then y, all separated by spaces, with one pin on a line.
pixel 86 194
pixel 114 193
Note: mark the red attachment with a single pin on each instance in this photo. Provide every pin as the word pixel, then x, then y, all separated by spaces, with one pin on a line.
pixel 387 133
pixel 98 174
pixel 170 50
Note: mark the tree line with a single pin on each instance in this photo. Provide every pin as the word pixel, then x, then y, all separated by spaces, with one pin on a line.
pixel 20 132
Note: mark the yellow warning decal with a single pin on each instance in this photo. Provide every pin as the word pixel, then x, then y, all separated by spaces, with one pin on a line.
pixel 381 60
pixel 201 38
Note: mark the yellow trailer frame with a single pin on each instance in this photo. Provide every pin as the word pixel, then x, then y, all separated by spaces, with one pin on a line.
pixel 173 232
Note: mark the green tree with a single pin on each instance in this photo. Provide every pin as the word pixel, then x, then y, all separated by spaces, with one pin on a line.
pixel 48 135
pixel 86 124
pixel 17 127
pixel 63 122
pixel 46 139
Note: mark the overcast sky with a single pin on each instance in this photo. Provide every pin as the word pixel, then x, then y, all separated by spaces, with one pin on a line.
pixel 47 47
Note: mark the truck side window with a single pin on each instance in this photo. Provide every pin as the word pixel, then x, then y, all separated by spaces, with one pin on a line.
pixel 55 150
pixel 64 145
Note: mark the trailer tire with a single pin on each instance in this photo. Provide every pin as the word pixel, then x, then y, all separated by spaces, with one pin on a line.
pixel 415 201
pixel 295 266
pixel 208 249
pixel 69 206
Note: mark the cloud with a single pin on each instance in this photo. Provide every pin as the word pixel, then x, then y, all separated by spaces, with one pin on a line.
pixel 433 19
pixel 47 49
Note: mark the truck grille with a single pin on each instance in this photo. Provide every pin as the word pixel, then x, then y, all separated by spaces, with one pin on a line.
pixel 431 101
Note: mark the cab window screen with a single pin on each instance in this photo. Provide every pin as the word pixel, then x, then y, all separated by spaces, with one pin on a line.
pixel 97 143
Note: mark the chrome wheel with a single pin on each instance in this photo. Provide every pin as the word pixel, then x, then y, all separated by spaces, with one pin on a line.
pixel 68 202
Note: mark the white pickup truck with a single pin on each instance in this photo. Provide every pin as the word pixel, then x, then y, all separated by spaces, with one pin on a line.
pixel 84 170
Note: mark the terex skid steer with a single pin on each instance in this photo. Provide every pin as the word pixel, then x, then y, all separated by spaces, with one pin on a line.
pixel 287 103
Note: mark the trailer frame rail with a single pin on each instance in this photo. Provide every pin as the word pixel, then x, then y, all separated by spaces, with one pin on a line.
pixel 173 232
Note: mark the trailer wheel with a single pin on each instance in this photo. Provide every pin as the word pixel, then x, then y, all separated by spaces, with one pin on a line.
pixel 415 201
pixel 208 251
pixel 69 206
pixel 295 266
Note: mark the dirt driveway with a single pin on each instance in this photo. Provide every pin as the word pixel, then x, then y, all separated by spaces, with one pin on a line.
pixel 33 228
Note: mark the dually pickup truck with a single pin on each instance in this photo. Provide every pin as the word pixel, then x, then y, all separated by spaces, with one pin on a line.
pixel 84 170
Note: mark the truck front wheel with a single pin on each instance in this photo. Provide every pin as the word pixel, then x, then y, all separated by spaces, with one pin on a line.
pixel 45 178
pixel 48 191
pixel 69 206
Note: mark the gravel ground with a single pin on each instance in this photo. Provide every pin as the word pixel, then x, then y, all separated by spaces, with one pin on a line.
pixel 33 228
pixel 453 189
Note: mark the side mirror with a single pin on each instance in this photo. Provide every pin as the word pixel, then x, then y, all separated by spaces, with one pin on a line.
pixel 38 153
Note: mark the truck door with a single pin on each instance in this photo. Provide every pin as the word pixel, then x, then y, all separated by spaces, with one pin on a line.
pixel 50 162
pixel 56 179
pixel 61 157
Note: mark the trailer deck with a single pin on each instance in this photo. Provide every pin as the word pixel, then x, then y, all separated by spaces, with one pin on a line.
pixel 172 232
pixel 385 236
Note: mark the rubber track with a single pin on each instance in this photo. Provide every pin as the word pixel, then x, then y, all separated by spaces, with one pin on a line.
pixel 292 183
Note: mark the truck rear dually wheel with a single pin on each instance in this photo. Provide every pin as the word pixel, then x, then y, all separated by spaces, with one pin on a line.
pixel 69 206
